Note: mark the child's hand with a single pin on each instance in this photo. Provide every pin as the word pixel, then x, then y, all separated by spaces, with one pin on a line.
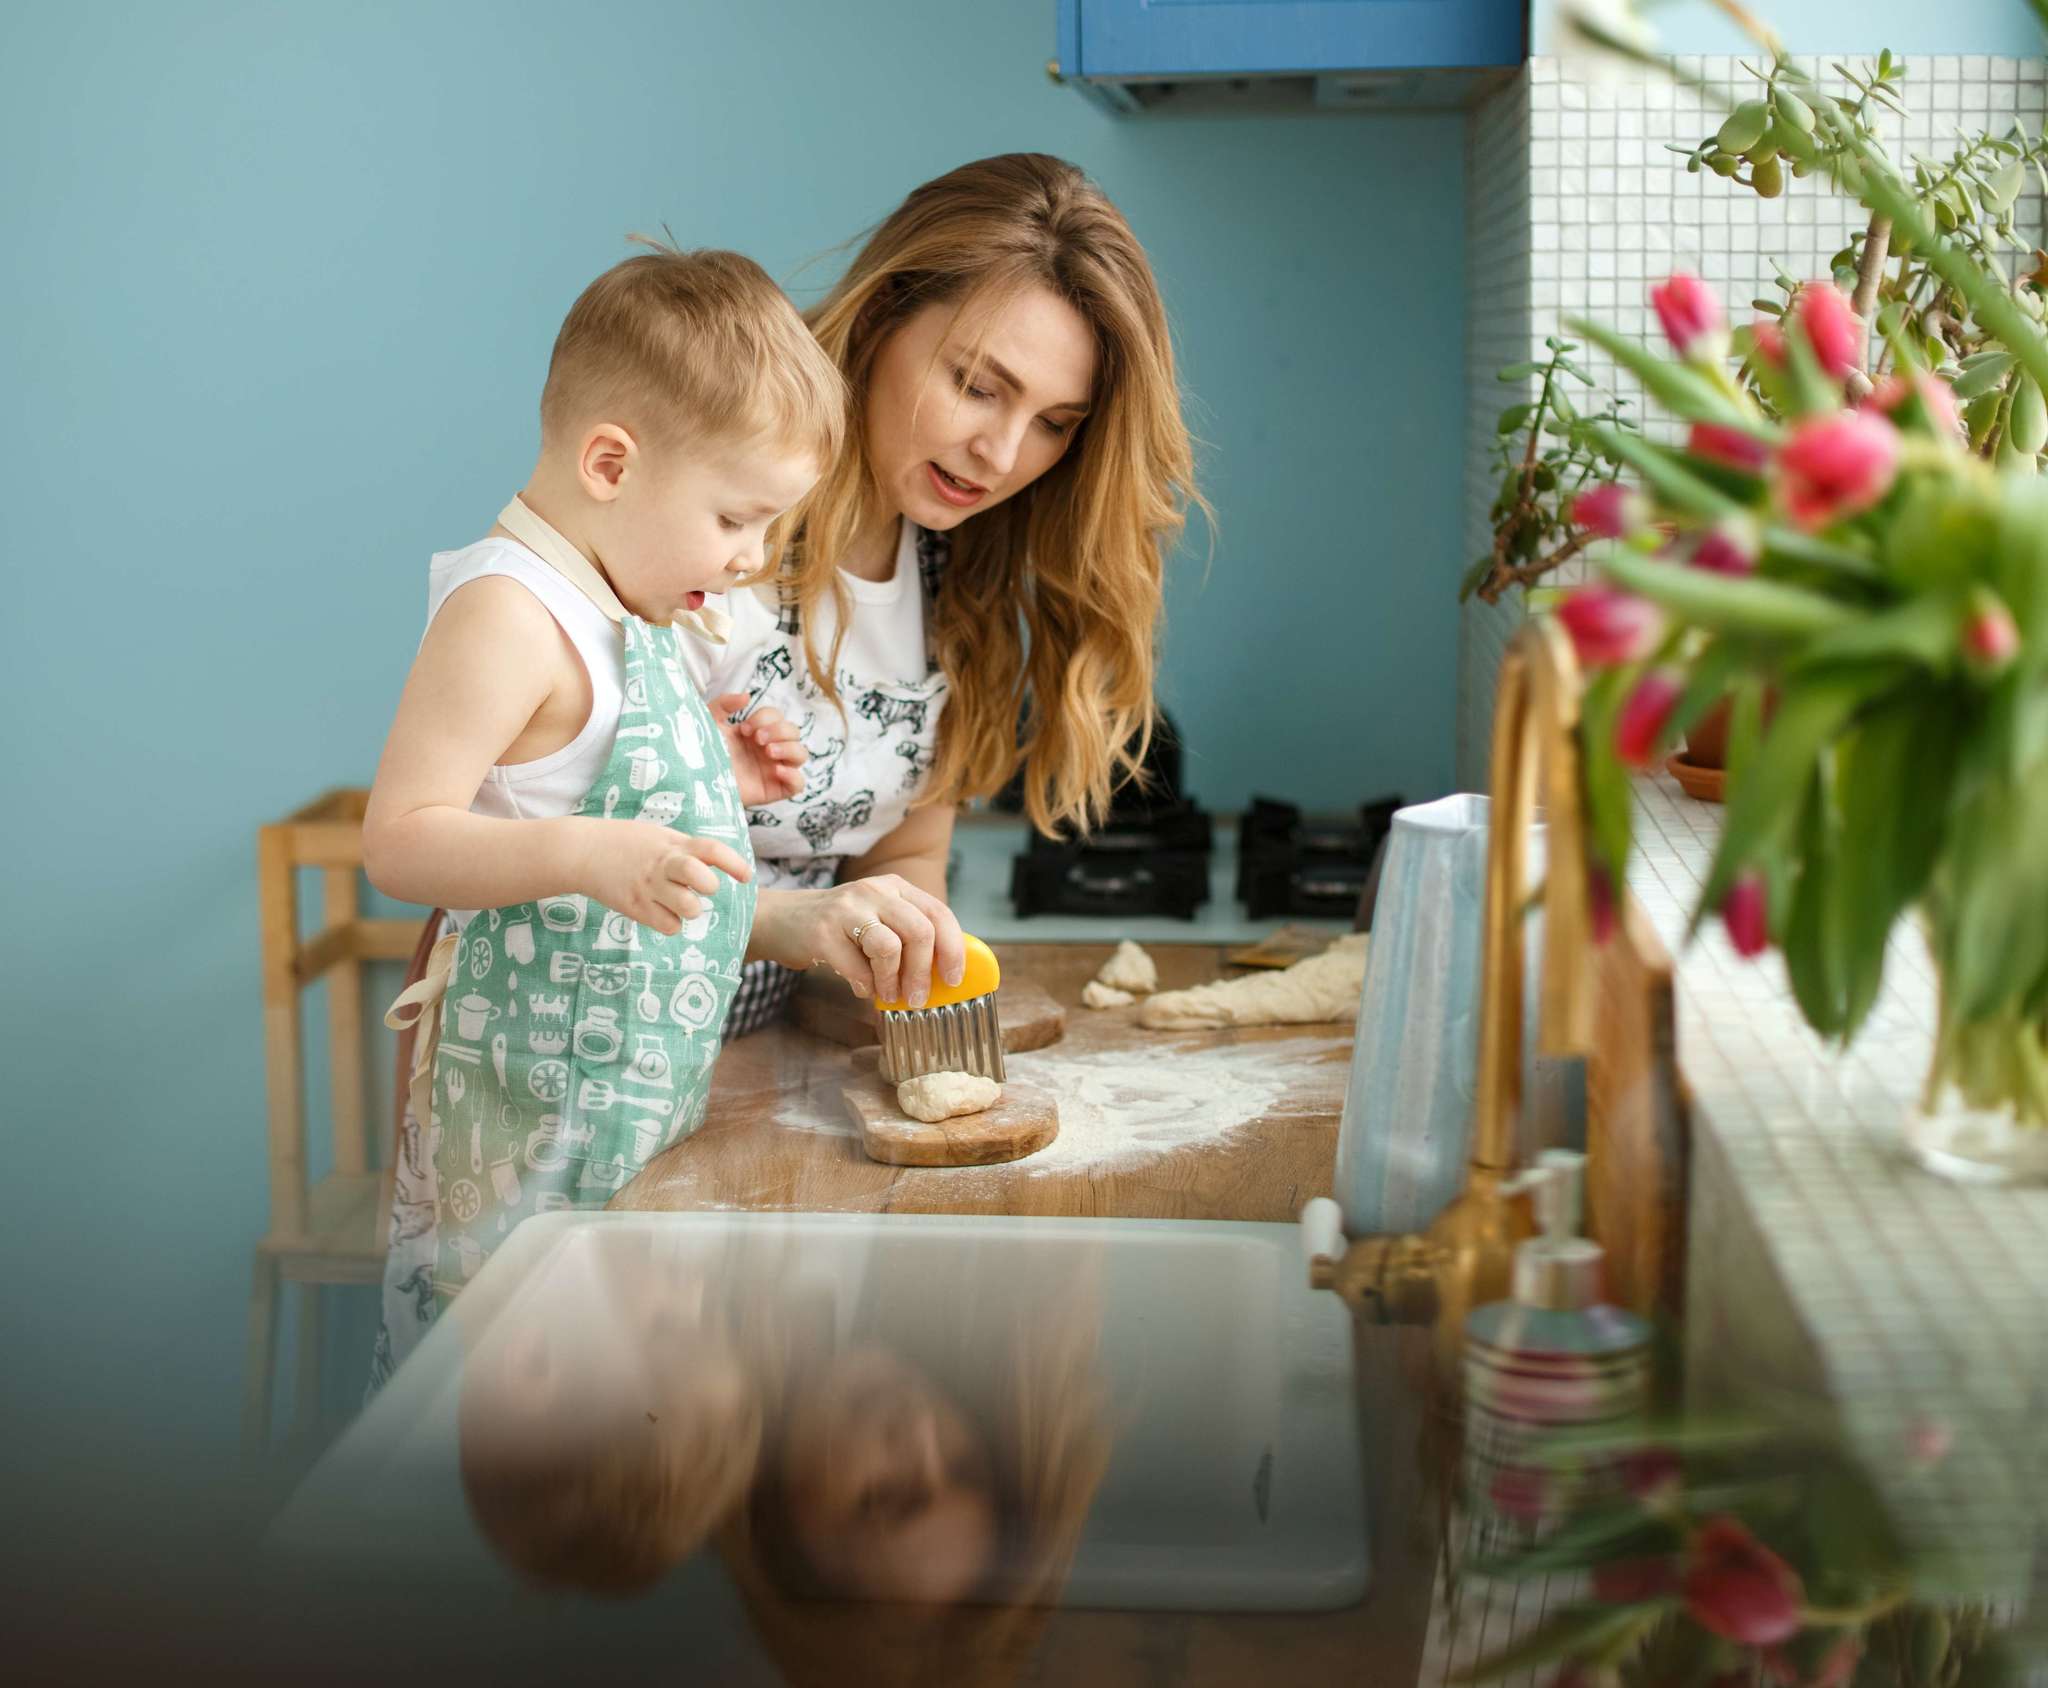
pixel 653 874
pixel 767 757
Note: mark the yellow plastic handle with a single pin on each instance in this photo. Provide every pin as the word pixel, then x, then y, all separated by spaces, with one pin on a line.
pixel 981 977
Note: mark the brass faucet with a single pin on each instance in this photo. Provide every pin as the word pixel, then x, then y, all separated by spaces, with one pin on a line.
pixel 1464 1258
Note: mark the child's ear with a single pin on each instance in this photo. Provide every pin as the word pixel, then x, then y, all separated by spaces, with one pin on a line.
pixel 609 455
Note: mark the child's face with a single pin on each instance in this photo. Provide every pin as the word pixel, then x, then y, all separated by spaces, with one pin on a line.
pixel 542 1389
pixel 682 521
pixel 947 441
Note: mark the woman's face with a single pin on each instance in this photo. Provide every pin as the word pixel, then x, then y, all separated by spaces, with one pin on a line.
pixel 889 1488
pixel 947 440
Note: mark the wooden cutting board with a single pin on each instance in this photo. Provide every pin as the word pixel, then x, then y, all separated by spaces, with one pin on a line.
pixel 1024 1121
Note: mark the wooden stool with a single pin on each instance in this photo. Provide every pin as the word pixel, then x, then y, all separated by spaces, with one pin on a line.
pixel 332 1232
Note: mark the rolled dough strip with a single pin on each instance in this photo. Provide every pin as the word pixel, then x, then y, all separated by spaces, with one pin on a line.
pixel 1095 994
pixel 1324 987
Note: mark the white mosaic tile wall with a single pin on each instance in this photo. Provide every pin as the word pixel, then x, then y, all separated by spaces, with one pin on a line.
pixel 1607 211
pixel 1497 334
pixel 1916 1301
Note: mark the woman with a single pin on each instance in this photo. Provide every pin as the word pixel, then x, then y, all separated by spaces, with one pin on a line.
pixel 987 552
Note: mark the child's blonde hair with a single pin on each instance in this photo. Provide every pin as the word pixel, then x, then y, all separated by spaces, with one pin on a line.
pixel 650 1442
pixel 614 1513
pixel 702 346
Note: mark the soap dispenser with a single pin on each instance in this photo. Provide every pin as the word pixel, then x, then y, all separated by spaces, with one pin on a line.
pixel 1553 1358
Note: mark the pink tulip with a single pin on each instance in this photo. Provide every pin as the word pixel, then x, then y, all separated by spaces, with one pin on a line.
pixel 1833 330
pixel 1937 399
pixel 1770 341
pixel 1836 465
pixel 1729 548
pixel 1833 1670
pixel 1600 904
pixel 1608 626
pixel 1610 510
pixel 1652 1475
pixel 1928 1441
pixel 1730 447
pixel 1690 314
pixel 1628 1582
pixel 1738 1588
pixel 1520 1492
pixel 1991 639
pixel 1644 716
pixel 1747 917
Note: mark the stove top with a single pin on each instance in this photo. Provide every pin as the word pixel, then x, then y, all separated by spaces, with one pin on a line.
pixel 1291 863
pixel 1153 861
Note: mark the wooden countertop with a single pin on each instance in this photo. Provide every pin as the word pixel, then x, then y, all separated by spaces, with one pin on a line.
pixel 776 1138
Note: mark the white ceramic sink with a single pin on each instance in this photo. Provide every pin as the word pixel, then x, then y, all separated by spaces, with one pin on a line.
pixel 1234 1477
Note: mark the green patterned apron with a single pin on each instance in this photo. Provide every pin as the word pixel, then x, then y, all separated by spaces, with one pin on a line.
pixel 575 1044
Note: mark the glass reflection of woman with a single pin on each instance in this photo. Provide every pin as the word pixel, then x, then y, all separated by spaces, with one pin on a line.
pixel 923 1483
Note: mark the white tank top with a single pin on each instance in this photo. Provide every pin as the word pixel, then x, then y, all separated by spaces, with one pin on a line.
pixel 554 784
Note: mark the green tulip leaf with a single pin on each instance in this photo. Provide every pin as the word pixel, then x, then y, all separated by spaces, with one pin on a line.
pixel 1814 959
pixel 1765 796
pixel 1722 604
pixel 1905 744
pixel 1684 391
pixel 1574 1631
pixel 1923 629
pixel 1663 471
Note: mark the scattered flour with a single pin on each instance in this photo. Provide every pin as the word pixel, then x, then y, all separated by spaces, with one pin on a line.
pixel 817 1107
pixel 1123 1107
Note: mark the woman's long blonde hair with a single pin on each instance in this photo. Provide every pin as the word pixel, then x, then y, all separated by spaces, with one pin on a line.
pixel 1051 603
pixel 1021 1359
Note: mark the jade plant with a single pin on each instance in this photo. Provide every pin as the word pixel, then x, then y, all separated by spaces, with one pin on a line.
pixel 1792 129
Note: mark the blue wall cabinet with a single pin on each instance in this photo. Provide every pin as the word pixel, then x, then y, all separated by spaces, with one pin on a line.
pixel 1140 55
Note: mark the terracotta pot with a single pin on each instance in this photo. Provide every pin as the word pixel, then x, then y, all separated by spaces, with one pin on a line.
pixel 1706 740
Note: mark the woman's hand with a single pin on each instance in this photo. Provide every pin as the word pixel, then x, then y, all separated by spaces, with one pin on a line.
pixel 767 756
pixel 907 937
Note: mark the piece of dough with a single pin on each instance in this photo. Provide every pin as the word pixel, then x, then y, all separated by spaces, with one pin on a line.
pixel 1095 994
pixel 1129 969
pixel 1324 987
pixel 932 1097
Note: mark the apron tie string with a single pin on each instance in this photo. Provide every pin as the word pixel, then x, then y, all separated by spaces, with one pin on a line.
pixel 419 1006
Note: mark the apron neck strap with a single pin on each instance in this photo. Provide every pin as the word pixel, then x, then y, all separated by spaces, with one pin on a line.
pixel 554 548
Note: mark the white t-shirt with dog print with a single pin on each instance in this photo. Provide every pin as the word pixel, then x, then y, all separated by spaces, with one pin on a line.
pixel 866 767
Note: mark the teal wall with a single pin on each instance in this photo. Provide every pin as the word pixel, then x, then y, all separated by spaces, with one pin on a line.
pixel 1910 27
pixel 279 286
